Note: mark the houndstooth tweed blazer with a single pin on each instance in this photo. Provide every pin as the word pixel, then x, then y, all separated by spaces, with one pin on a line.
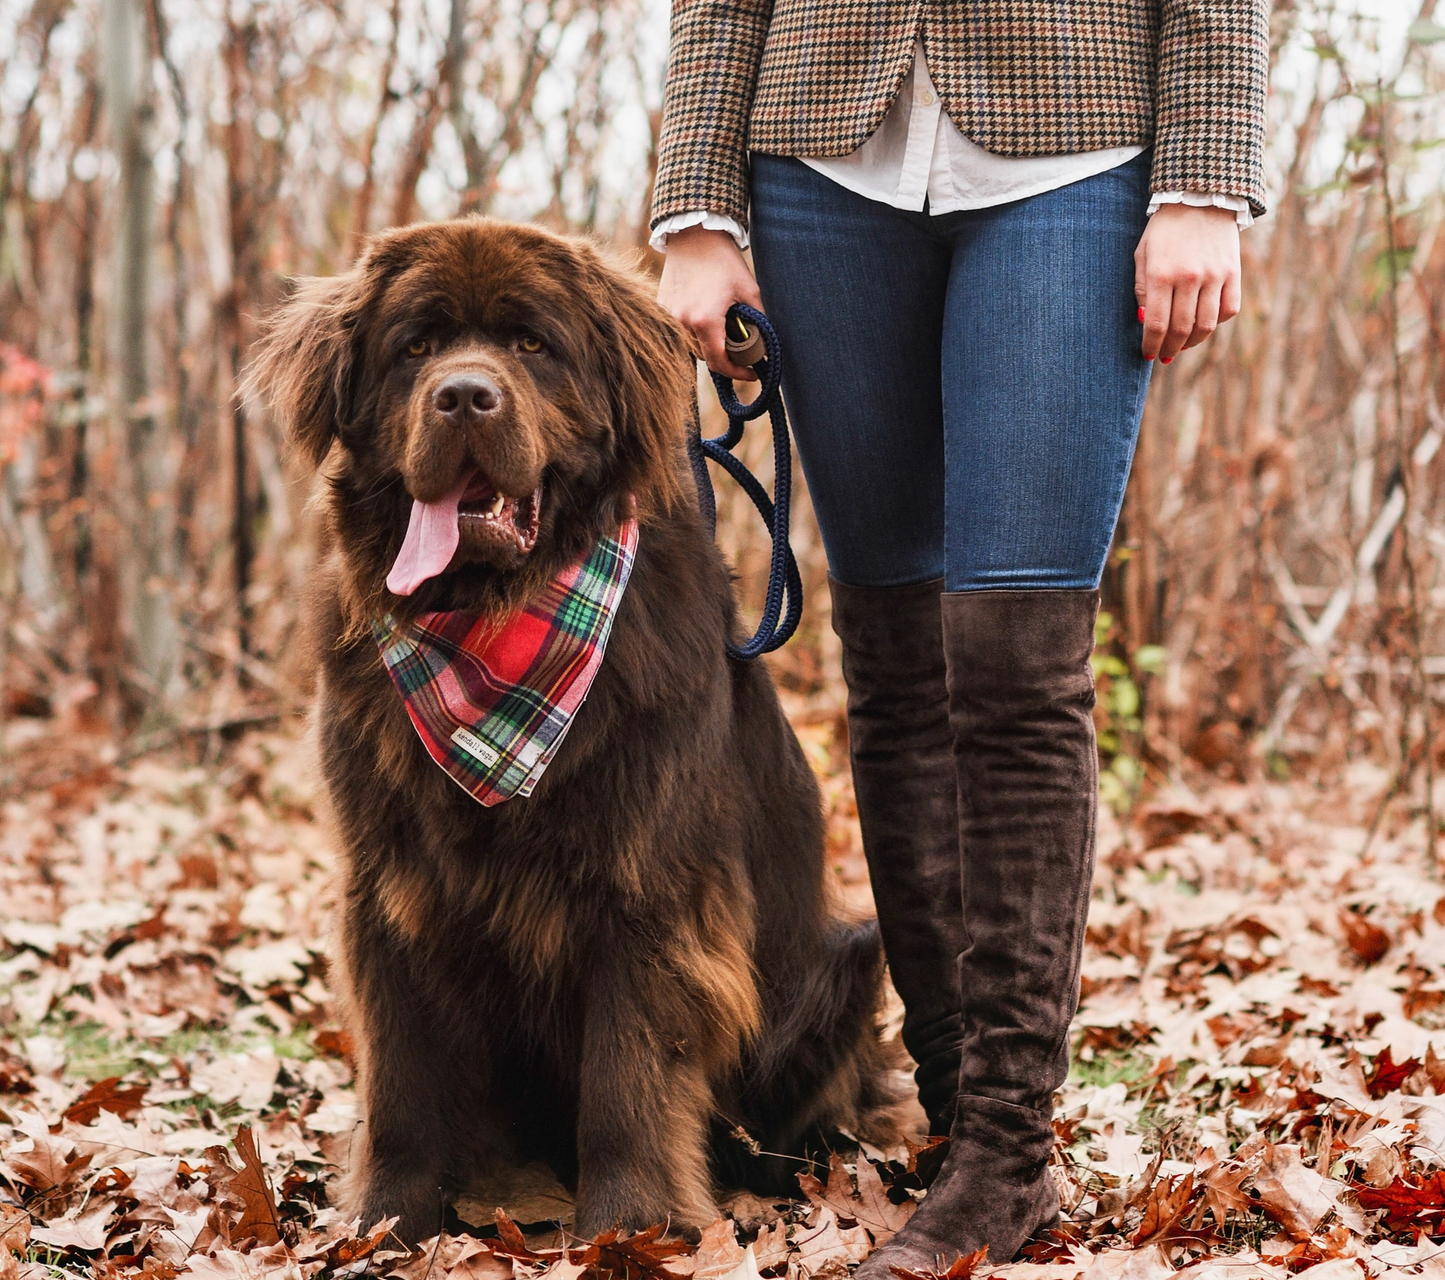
pixel 1018 77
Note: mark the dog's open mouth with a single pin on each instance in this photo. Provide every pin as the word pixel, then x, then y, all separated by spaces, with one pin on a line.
pixel 475 521
pixel 487 518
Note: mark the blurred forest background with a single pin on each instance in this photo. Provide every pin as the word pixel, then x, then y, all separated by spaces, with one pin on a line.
pixel 1264 979
pixel 1275 597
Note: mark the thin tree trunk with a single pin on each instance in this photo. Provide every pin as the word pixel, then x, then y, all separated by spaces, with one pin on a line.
pixel 241 209
pixel 84 354
pixel 187 418
pixel 153 624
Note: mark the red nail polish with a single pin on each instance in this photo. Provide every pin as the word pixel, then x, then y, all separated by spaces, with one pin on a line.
pixel 1148 357
pixel 1141 315
pixel 1166 359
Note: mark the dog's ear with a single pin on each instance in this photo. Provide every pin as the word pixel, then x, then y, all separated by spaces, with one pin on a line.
pixel 303 364
pixel 651 377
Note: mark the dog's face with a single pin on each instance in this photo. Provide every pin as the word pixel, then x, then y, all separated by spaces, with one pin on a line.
pixel 499 396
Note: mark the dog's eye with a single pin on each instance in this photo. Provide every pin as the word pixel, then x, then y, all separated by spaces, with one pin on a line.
pixel 529 344
pixel 418 348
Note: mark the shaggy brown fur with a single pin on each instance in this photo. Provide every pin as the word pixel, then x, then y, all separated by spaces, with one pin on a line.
pixel 618 971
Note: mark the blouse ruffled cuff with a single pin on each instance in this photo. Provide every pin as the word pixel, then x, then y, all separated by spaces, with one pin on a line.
pixel 698 218
pixel 1238 205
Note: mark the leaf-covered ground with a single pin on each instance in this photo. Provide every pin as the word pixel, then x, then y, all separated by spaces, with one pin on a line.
pixel 1259 1085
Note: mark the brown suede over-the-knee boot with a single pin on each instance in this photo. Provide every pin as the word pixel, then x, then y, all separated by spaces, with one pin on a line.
pixel 904 779
pixel 1021 697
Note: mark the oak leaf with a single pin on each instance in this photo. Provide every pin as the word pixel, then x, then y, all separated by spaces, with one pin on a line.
pixel 868 1206
pixel 879 1216
pixel 718 1252
pixel 250 1186
pixel 1387 1075
pixel 76 1231
pixel 641 1256
pixel 1166 1205
pixel 961 1268
pixel 772 1247
pixel 1221 1186
pixel 451 1256
pixel 1409 1206
pixel 1297 1197
pixel 105 1095
pixel 837 1194
pixel 826 1247
pixel 49 1166
pixel 14 1230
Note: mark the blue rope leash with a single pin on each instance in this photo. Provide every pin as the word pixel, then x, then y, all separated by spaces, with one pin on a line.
pixel 783 579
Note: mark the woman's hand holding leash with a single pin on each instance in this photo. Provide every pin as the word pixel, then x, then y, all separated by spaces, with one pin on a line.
pixel 1186 277
pixel 703 275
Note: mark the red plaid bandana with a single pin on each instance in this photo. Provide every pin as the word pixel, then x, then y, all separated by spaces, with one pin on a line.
pixel 492 705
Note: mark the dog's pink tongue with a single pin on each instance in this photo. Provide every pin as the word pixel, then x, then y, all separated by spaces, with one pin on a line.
pixel 431 541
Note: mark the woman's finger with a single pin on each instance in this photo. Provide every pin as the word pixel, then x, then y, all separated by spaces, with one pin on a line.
pixel 1229 297
pixel 1158 306
pixel 1185 295
pixel 1206 313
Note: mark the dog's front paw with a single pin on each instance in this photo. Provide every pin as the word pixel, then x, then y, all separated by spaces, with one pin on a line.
pixel 420 1210
pixel 597 1214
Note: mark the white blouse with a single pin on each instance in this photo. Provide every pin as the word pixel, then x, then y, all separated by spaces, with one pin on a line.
pixel 918 154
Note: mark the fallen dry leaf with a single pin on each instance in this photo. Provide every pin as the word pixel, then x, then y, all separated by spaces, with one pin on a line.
pixel 1417 1208
pixel 1165 1206
pixel 259 1220
pixel 718 1252
pixel 824 1247
pixel 772 1247
pixel 1387 1075
pixel 75 1230
pixel 1221 1186
pixel 51 1164
pixel 106 1095
pixel 961 1268
pixel 1297 1197
pixel 1367 940
pixel 868 1206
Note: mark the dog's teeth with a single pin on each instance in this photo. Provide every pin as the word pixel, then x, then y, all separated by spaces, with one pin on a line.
pixel 496 508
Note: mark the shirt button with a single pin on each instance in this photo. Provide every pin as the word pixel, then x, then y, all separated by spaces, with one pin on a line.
pixel 926 98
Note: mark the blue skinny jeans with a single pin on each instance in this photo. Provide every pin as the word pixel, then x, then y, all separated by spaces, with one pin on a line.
pixel 965 390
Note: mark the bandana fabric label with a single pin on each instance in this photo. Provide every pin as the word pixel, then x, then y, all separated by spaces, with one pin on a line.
pixel 492 704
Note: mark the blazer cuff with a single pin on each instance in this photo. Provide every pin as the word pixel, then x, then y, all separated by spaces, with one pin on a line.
pixel 697 218
pixel 1243 215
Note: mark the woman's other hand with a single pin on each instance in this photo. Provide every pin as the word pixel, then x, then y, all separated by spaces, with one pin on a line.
pixel 1186 277
pixel 702 276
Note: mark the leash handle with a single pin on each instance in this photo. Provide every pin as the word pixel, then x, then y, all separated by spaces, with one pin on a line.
pixel 744 346
pixel 759 347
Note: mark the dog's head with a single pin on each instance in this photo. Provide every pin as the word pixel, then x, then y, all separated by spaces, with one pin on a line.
pixel 488 398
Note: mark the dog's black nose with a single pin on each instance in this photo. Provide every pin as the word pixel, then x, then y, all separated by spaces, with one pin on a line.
pixel 466 398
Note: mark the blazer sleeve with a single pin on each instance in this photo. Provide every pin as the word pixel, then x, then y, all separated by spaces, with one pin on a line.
pixel 1213 83
pixel 712 72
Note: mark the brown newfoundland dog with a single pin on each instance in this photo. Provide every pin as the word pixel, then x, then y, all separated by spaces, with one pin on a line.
pixel 633 973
